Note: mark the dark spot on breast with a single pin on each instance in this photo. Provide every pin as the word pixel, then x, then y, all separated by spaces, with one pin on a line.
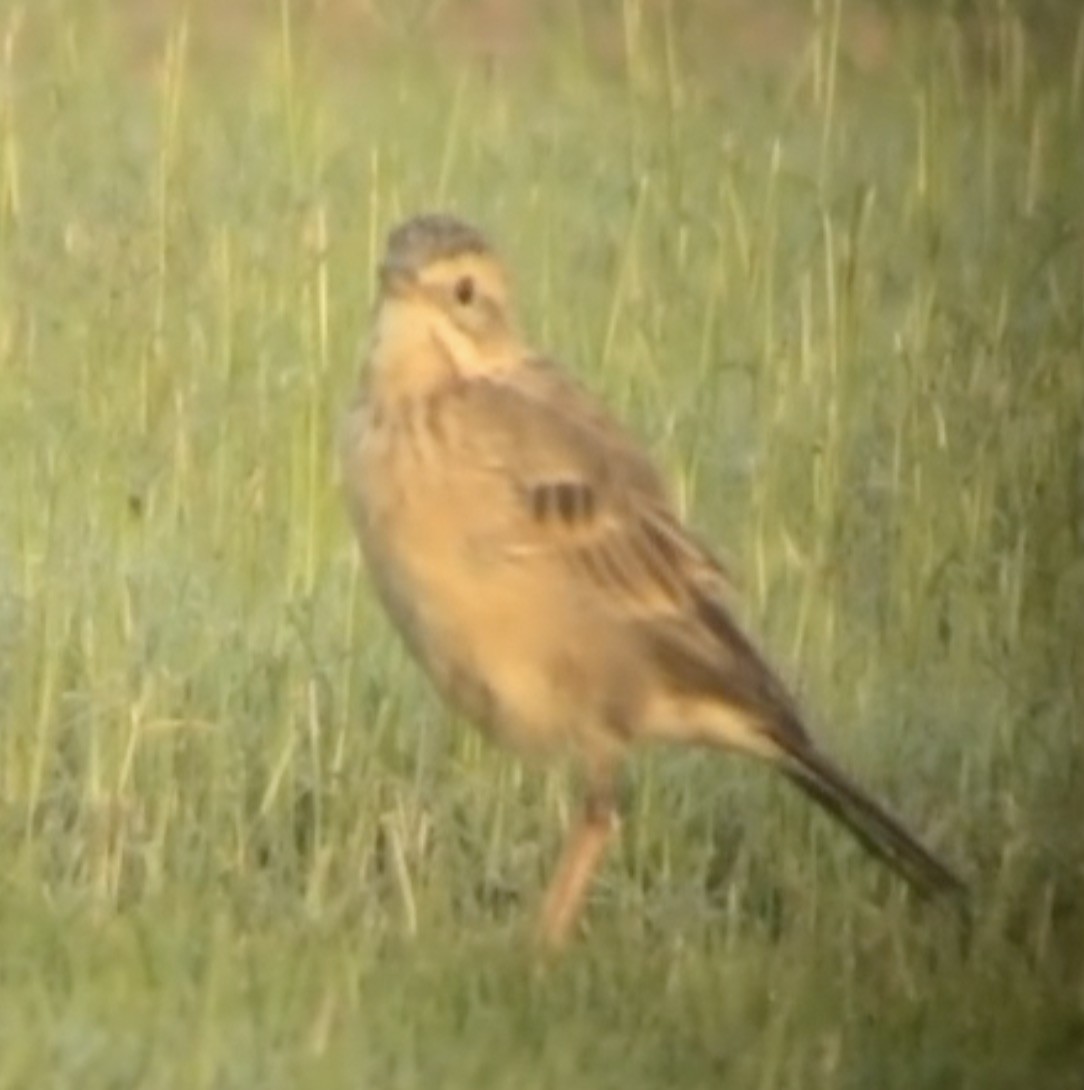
pixel 405 418
pixel 434 417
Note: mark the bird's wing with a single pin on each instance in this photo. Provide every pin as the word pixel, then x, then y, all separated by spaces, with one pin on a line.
pixel 582 488
pixel 584 495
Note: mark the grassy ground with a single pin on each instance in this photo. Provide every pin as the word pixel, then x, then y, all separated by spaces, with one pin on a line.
pixel 242 845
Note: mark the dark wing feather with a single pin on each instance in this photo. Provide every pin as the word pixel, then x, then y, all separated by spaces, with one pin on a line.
pixel 590 496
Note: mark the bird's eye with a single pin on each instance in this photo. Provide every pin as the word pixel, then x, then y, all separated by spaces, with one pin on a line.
pixel 464 290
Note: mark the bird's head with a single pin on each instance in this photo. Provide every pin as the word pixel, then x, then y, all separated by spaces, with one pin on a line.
pixel 440 274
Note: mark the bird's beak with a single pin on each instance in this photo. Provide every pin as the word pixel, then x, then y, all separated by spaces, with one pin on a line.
pixel 396 279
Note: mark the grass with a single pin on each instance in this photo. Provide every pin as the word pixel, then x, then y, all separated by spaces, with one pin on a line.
pixel 244 846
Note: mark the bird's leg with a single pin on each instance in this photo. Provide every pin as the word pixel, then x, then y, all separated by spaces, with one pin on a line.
pixel 583 851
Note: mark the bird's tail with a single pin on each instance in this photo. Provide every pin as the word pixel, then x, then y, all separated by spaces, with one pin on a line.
pixel 739 703
pixel 876 829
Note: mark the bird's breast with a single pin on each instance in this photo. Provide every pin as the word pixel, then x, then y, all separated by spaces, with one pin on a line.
pixel 504 647
pixel 414 497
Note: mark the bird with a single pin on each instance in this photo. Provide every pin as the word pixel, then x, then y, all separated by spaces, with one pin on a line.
pixel 528 551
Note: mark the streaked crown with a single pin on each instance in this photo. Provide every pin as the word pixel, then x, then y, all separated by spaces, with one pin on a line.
pixel 434 236
pixel 441 266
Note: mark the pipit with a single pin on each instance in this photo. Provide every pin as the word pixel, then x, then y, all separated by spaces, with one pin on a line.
pixel 526 548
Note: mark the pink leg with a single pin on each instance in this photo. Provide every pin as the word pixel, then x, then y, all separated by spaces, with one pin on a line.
pixel 583 851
